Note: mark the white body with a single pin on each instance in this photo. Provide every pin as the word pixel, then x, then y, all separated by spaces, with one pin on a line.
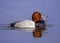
pixel 26 25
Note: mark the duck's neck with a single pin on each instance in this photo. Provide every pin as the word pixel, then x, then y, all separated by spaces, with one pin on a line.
pixel 37 21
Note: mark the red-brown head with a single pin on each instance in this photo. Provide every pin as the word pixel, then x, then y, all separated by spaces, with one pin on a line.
pixel 36 16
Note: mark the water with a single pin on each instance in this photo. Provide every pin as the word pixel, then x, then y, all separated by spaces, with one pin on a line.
pixel 17 10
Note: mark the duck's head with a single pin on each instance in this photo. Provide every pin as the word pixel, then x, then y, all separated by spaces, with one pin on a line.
pixel 37 33
pixel 36 16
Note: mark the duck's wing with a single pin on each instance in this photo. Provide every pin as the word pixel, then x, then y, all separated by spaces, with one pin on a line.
pixel 25 24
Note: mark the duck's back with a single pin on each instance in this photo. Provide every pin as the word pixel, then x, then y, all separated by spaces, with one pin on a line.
pixel 25 24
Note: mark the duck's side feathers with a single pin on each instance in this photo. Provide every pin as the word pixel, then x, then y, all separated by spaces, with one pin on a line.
pixel 25 24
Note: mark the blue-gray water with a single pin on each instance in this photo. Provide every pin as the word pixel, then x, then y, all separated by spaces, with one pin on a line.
pixel 17 10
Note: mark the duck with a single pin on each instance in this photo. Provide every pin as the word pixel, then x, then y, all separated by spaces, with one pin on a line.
pixel 31 25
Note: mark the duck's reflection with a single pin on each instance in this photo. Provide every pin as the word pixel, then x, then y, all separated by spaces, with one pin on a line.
pixel 40 27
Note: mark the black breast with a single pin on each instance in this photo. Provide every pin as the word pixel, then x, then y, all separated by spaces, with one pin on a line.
pixel 40 24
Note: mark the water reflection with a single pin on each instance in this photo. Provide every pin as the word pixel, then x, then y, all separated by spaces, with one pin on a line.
pixel 39 29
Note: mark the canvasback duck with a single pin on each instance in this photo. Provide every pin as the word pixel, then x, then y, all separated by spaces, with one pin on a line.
pixel 32 25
